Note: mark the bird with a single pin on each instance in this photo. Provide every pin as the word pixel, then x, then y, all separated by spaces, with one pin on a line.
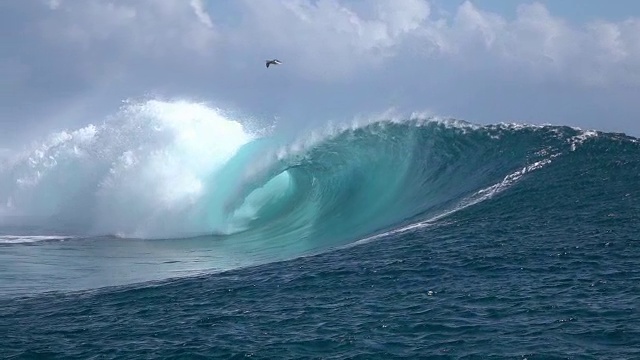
pixel 273 62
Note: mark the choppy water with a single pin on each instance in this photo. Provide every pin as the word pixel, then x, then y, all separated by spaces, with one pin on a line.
pixel 404 239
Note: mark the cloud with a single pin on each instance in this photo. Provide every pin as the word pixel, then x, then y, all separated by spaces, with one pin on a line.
pixel 326 39
pixel 108 41
pixel 329 40
pixel 201 13
pixel 72 59
pixel 537 44
pixel 341 57
pixel 144 27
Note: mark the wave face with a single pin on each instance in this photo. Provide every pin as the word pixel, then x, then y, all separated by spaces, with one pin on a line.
pixel 177 169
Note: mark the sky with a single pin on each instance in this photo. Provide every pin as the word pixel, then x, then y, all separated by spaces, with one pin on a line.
pixel 67 63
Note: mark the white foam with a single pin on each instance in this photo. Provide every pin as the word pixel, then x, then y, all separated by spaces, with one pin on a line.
pixel 139 173
pixel 21 239
pixel 579 139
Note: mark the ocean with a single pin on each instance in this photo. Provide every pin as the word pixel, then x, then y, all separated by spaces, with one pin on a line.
pixel 174 230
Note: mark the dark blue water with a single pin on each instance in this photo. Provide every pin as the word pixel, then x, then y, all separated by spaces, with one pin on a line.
pixel 547 267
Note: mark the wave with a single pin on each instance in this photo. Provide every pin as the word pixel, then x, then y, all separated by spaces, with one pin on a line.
pixel 178 169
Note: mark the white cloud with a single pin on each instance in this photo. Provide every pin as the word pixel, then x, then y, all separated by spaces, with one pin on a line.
pixel 326 39
pixel 471 26
pixel 614 55
pixel 143 27
pixel 543 47
pixel 356 56
pixel 329 40
pixel 401 20
pixel 201 13
pixel 117 41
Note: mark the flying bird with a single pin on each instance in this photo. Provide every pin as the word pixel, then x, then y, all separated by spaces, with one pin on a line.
pixel 273 62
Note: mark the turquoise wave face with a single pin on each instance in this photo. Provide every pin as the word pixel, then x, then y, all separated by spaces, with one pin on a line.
pixel 371 179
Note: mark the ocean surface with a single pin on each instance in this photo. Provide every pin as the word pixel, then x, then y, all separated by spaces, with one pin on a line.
pixel 173 230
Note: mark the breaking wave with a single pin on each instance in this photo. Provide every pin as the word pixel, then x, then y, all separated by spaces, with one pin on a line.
pixel 179 169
